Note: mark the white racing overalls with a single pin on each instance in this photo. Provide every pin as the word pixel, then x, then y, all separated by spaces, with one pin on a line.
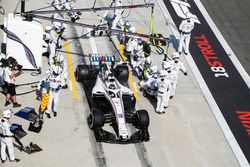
pixel 118 16
pixel 185 33
pixel 175 69
pixel 6 140
pixel 55 83
pixel 162 94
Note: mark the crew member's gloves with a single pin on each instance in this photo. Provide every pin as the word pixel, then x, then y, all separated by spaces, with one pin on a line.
pixel 59 47
pixel 58 88
pixel 64 39
pixel 42 85
pixel 185 73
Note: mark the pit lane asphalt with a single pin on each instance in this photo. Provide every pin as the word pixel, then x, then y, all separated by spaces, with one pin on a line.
pixel 232 19
pixel 187 135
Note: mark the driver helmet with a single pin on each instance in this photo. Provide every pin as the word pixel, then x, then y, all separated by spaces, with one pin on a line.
pixel 112 86
pixel 111 78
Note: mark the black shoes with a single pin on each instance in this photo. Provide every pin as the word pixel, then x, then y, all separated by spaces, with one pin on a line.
pixel 165 107
pixel 55 114
pixel 48 115
pixel 184 53
pixel 16 105
pixel 7 103
pixel 15 160
pixel 65 86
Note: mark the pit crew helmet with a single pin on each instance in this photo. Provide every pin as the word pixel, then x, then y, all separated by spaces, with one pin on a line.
pixel 58 27
pixel 7 113
pixel 47 28
pixel 153 69
pixel 132 29
pixel 148 61
pixel 56 69
pixel 188 15
pixel 175 55
pixel 163 73
pixel 165 65
pixel 127 24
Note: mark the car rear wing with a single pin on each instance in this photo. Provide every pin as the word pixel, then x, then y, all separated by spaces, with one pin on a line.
pixel 97 59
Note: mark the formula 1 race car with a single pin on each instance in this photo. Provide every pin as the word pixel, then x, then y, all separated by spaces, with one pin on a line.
pixel 111 101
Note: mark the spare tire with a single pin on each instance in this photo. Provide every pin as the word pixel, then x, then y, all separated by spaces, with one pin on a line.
pixel 82 73
pixel 142 119
pixel 122 73
pixel 95 119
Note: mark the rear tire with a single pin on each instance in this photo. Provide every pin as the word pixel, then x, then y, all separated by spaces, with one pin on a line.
pixel 95 119
pixel 122 73
pixel 82 73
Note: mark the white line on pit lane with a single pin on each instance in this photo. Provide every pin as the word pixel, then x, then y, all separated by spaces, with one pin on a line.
pixel 92 42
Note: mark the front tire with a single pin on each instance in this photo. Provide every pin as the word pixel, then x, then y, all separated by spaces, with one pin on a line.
pixel 82 73
pixel 142 119
pixel 95 119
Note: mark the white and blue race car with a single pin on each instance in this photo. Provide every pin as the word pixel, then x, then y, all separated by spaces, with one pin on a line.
pixel 111 101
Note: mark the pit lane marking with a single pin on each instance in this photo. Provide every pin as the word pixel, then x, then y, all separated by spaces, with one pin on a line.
pixel 205 90
pixel 70 69
pixel 93 43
